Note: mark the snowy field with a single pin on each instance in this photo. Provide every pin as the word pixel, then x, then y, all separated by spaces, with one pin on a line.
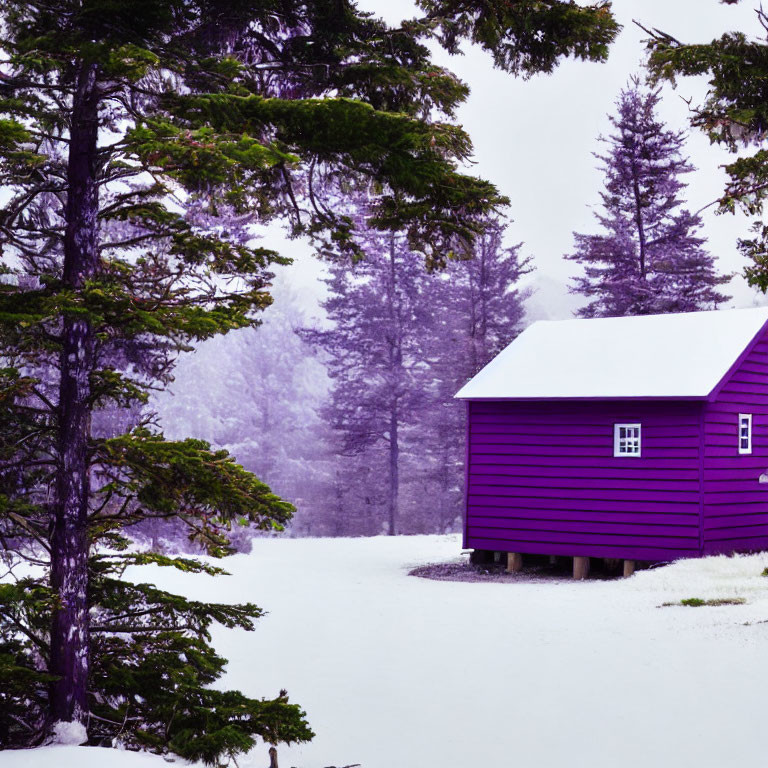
pixel 401 672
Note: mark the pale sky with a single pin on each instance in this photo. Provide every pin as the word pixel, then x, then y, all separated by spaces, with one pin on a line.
pixel 535 138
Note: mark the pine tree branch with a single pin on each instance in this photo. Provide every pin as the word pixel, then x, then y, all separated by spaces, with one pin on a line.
pixel 27 526
pixel 28 633
pixel 51 407
pixel 658 35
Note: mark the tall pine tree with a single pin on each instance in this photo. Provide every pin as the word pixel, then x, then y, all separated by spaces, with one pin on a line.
pixel 131 133
pixel 649 258
pixel 378 312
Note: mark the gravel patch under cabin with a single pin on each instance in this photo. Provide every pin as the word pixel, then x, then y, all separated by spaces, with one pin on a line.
pixel 463 570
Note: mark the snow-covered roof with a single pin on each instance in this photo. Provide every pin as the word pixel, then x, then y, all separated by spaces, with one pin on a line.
pixel 674 355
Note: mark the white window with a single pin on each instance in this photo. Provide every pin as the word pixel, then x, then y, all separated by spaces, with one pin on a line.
pixel 626 439
pixel 745 433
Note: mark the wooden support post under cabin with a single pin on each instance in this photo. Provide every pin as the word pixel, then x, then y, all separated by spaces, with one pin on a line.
pixel 514 562
pixel 629 568
pixel 580 567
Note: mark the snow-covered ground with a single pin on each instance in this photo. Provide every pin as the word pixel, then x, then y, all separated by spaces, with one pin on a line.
pixel 401 672
pixel 80 757
pixel 396 671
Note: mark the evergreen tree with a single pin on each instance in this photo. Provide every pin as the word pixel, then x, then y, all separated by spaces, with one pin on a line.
pixel 734 115
pixel 372 353
pixel 649 258
pixel 131 133
pixel 477 308
pixel 483 303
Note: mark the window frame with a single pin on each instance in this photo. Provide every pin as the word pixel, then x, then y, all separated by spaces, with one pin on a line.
pixel 743 451
pixel 617 452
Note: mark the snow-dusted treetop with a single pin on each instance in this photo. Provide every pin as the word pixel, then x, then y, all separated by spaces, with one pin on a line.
pixel 671 355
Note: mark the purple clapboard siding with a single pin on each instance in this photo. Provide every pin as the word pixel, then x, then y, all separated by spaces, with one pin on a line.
pixel 542 478
pixel 735 504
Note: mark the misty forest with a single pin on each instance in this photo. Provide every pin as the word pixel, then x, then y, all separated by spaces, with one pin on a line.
pixel 247 261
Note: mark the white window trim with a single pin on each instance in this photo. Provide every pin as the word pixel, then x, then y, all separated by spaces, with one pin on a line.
pixel 616 441
pixel 748 418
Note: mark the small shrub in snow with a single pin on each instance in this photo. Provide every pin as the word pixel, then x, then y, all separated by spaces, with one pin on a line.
pixel 698 602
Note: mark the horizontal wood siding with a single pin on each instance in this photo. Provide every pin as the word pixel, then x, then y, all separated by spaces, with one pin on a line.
pixel 542 478
pixel 735 504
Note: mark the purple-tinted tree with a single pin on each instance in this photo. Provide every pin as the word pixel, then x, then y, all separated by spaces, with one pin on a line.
pixel 378 311
pixel 477 310
pixel 648 259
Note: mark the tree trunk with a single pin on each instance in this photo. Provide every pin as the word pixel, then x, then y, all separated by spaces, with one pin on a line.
pixel 394 473
pixel 639 221
pixel 474 357
pixel 483 289
pixel 69 538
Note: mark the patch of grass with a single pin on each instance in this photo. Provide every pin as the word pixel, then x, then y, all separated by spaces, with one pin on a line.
pixel 697 602
pixel 765 572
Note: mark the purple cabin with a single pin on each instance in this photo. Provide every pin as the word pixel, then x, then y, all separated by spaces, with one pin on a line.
pixel 640 438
